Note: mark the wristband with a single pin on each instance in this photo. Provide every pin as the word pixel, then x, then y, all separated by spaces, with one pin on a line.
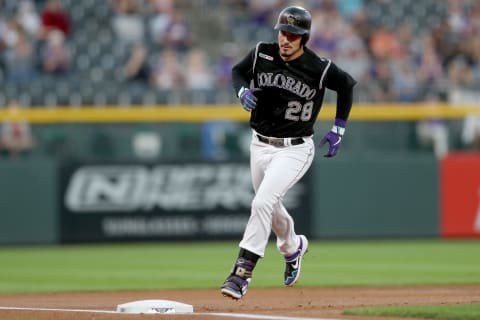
pixel 242 89
pixel 338 130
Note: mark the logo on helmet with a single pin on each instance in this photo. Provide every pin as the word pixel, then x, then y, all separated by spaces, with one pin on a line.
pixel 291 20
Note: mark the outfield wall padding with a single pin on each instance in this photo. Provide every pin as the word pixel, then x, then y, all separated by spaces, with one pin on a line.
pixel 28 201
pixel 376 196
pixel 366 197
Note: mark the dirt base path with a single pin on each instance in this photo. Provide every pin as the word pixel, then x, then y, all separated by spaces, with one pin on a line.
pixel 296 302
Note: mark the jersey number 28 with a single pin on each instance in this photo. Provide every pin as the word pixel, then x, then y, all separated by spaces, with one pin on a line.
pixel 296 111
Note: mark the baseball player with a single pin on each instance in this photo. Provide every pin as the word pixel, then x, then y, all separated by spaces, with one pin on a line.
pixel 288 85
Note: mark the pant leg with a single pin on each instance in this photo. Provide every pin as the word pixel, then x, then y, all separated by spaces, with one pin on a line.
pixel 284 228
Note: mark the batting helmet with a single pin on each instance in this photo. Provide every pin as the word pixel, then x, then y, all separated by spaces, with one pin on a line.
pixel 295 20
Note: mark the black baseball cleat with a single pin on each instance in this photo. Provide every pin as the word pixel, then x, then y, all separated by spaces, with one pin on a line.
pixel 293 263
pixel 236 284
pixel 235 287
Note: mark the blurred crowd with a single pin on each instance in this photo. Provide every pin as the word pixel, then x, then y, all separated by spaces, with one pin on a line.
pixel 33 41
pixel 405 61
pixel 166 47
pixel 166 51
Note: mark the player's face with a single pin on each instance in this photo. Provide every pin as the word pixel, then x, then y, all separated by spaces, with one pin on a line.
pixel 290 45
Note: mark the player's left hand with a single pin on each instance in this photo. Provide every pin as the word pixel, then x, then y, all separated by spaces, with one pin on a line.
pixel 334 138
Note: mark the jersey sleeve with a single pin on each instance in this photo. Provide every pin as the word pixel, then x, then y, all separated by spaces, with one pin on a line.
pixel 242 72
pixel 340 81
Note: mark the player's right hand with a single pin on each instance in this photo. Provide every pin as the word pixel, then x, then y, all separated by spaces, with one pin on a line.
pixel 247 98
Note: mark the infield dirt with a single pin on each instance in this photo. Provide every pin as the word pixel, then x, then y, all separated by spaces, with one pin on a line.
pixel 292 302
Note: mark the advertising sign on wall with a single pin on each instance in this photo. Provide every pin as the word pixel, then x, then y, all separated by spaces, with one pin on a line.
pixel 460 195
pixel 108 202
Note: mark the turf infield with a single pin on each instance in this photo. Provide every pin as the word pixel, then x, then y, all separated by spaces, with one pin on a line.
pixel 157 266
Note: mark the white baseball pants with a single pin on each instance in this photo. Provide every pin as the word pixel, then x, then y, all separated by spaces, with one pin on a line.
pixel 274 171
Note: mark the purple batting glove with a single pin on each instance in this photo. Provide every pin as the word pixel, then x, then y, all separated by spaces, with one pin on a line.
pixel 247 98
pixel 334 138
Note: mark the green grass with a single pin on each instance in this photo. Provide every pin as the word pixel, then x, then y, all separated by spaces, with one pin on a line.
pixel 206 264
pixel 444 312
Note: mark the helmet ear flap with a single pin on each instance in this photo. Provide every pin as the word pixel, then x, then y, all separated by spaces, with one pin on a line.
pixel 305 38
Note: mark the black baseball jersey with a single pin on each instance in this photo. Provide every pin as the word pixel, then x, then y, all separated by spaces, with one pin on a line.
pixel 292 92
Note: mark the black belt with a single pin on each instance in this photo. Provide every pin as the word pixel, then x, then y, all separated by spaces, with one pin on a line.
pixel 280 142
